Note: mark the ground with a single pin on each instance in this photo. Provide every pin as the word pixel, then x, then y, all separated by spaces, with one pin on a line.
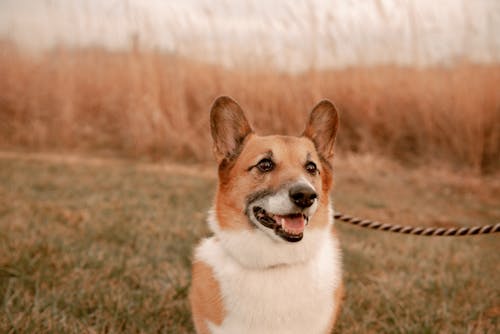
pixel 101 245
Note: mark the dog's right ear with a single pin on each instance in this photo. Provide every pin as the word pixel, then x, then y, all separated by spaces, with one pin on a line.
pixel 229 127
pixel 322 128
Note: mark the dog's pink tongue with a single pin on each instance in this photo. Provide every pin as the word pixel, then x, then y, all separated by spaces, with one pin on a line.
pixel 293 224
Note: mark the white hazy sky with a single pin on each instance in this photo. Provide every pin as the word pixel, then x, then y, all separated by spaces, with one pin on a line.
pixel 296 34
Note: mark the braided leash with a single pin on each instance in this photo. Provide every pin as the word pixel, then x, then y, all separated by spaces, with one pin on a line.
pixel 415 230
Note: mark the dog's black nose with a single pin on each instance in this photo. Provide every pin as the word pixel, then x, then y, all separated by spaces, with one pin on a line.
pixel 302 195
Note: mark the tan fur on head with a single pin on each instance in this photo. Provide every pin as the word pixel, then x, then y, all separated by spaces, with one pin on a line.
pixel 322 128
pixel 238 149
pixel 228 126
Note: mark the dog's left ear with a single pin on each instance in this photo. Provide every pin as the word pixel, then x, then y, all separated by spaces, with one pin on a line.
pixel 229 127
pixel 322 128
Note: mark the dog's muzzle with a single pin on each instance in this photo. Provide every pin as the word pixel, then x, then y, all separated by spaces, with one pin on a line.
pixel 287 211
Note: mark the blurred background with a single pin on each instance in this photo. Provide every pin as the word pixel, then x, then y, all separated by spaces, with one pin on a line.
pixel 416 81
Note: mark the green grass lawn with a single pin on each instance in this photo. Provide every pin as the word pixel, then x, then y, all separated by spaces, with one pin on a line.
pixel 107 248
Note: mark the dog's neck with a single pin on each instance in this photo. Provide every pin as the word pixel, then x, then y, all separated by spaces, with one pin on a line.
pixel 253 249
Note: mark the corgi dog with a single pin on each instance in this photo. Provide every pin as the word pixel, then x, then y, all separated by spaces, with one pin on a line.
pixel 273 264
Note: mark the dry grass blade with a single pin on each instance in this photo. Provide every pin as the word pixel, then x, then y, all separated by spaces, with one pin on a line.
pixel 105 246
pixel 151 104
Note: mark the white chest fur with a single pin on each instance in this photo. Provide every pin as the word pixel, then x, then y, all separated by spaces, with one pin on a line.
pixel 286 298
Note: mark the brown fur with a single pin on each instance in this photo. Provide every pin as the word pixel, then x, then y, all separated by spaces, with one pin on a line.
pixel 205 298
pixel 338 295
pixel 290 155
pixel 229 128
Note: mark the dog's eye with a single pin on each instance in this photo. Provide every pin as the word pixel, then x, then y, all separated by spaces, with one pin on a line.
pixel 311 168
pixel 265 165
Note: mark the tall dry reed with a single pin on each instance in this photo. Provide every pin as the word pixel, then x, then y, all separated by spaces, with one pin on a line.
pixel 150 104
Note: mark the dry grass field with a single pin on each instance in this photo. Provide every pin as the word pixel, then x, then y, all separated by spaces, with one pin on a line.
pixel 103 246
pixel 106 175
pixel 149 104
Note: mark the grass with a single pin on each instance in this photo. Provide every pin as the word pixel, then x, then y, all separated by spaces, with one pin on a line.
pixel 149 104
pixel 89 245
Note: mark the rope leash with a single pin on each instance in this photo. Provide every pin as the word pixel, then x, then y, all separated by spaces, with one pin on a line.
pixel 415 230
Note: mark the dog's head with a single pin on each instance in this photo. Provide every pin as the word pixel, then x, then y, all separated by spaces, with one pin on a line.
pixel 277 185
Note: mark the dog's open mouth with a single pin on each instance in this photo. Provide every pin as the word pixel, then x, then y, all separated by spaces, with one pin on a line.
pixel 289 227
